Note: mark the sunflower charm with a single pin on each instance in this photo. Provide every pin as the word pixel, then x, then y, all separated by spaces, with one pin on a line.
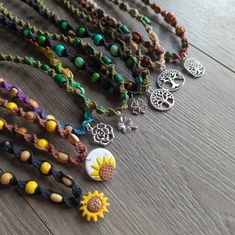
pixel 100 164
pixel 93 206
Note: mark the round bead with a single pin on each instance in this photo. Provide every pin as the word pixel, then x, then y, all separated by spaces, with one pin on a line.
pixel 42 143
pixel 31 187
pixel 169 54
pixel 30 115
pixel 26 33
pixel 69 128
pixel 41 39
pixel 6 178
pixel 14 92
pixel 22 130
pixel 138 80
pixel 25 155
pixel 180 31
pixel 60 50
pixel 81 32
pixel 2 124
pixel 45 168
pixel 95 77
pixel 55 197
pixel 51 125
pixel 118 78
pixel 11 105
pixel 170 17
pixel 98 38
pixel 130 62
pixel 124 96
pixel 79 62
pixel 63 157
pixel 34 103
pixel 134 46
pixel 114 50
pixel 64 24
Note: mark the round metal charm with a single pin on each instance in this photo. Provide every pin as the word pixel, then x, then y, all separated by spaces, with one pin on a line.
pixel 170 79
pixel 102 133
pixel 194 67
pixel 161 99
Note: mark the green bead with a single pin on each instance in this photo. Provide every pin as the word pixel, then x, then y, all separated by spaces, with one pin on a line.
pixel 60 49
pixel 98 38
pixel 60 79
pixel 130 62
pixel 75 84
pixel 100 109
pixel 124 96
pixel 118 78
pixel 146 20
pixel 41 39
pixel 124 29
pixel 95 77
pixel 26 33
pixel 106 60
pixel 81 32
pixel 64 25
pixel 45 67
pixel 79 62
pixel 111 90
pixel 139 80
pixel 184 44
pixel 77 42
pixel 114 50
pixel 169 54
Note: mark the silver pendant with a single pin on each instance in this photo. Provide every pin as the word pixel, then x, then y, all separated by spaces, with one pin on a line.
pixel 194 67
pixel 170 79
pixel 125 125
pixel 102 133
pixel 161 99
pixel 138 106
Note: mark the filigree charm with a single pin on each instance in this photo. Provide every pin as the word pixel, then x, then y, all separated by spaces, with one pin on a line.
pixel 161 99
pixel 102 133
pixel 170 79
pixel 194 67
pixel 125 125
pixel 138 106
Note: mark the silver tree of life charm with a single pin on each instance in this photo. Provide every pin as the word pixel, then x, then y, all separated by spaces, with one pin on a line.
pixel 161 99
pixel 194 67
pixel 170 79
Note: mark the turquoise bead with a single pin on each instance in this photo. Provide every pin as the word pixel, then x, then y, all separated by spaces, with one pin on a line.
pixel 60 49
pixel 95 77
pixel 114 50
pixel 106 60
pixel 60 79
pixel 124 29
pixel 146 20
pixel 79 62
pixel 169 54
pixel 98 38
pixel 45 67
pixel 118 78
pixel 139 80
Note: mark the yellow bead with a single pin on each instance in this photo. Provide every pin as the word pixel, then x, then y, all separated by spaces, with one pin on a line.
pixel 11 105
pixel 42 144
pixel 45 168
pixel 2 123
pixel 31 187
pixel 51 125
pixel 22 130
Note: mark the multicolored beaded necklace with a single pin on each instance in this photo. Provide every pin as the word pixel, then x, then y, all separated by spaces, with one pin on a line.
pixel 93 206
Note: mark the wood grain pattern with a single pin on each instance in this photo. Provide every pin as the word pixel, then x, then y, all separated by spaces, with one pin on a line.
pixel 176 173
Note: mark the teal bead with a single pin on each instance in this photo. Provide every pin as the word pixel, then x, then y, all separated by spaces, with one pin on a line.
pixel 75 84
pixel 60 49
pixel 95 77
pixel 45 67
pixel 87 115
pixel 64 25
pixel 169 54
pixel 82 91
pixel 79 62
pixel 118 78
pixel 139 80
pixel 81 32
pixel 77 42
pixel 114 50
pixel 124 29
pixel 106 60
pixel 146 20
pixel 60 79
pixel 26 33
pixel 100 109
pixel 41 39
pixel 98 38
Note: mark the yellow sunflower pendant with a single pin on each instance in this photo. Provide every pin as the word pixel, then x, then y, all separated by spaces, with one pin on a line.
pixel 94 205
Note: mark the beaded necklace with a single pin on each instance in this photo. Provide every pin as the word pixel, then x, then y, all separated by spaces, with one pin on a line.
pixel 93 206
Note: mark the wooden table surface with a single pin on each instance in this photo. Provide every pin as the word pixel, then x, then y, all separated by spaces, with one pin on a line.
pixel 176 173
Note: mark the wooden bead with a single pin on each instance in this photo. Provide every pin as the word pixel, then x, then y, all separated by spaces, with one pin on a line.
pixel 73 138
pixel 153 35
pixel 69 128
pixel 34 103
pixel 30 115
pixel 170 17
pixel 63 157
pixel 55 197
pixel 51 125
pixel 25 156
pixel 180 31
pixel 14 92
pixel 67 181
pixel 6 178
pixel 134 46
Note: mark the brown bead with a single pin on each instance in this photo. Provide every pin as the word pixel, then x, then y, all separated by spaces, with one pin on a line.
pixel 134 46
pixel 63 157
pixel 159 51
pixel 6 178
pixel 157 9
pixel 145 72
pixel 163 12
pixel 180 31
pixel 94 204
pixel 145 61
pixel 14 92
pixel 123 6
pixel 30 115
pixel 128 85
pixel 55 197
pixel 147 44
pixel 34 103
pixel 153 35
pixel 170 17
pixel 25 156
pixel 137 37
pixel 67 181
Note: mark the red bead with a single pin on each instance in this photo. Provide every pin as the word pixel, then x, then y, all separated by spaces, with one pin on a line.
pixel 137 37
pixel 170 17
